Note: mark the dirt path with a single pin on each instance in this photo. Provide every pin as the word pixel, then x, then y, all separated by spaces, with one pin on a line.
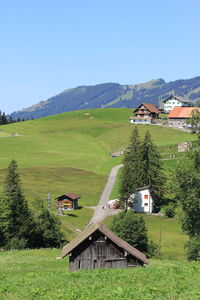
pixel 100 213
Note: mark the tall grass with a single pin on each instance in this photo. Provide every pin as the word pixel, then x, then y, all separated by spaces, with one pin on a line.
pixel 36 274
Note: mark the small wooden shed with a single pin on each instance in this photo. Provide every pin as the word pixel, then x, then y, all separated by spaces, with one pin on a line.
pixel 98 247
pixel 68 201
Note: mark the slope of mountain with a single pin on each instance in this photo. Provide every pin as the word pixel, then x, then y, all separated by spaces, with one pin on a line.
pixel 113 95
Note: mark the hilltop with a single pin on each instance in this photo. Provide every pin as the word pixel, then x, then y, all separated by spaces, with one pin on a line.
pixel 112 95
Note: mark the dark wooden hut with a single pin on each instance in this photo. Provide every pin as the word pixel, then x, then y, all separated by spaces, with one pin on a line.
pixel 98 247
pixel 68 201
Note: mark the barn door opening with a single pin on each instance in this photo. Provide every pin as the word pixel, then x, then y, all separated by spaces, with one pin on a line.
pixel 95 264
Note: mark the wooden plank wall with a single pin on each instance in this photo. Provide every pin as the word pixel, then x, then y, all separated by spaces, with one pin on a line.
pixel 100 253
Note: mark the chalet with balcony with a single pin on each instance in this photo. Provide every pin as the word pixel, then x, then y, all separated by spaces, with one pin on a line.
pixel 146 113
pixel 68 201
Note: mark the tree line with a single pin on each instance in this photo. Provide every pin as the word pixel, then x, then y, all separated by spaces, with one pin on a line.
pixel 8 119
pixel 21 227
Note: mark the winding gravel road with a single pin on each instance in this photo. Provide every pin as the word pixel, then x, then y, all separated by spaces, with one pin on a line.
pixel 100 213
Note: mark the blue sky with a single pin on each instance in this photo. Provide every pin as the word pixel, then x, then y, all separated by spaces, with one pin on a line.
pixel 49 46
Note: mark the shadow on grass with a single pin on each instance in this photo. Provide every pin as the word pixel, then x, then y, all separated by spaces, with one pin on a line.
pixel 71 215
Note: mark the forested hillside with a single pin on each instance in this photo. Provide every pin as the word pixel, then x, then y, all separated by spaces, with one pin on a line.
pixel 112 95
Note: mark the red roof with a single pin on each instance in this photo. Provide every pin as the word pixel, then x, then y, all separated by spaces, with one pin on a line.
pixel 150 107
pixel 182 112
pixel 71 196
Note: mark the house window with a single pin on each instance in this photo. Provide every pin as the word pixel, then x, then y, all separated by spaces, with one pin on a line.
pixel 146 204
pixel 146 197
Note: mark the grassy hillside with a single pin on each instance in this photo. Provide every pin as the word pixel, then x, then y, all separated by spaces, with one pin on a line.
pixel 71 152
pixel 36 274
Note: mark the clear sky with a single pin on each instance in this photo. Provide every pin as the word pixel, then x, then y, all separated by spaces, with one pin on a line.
pixel 49 46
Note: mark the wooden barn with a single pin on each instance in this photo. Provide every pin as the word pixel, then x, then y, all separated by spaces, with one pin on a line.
pixel 68 201
pixel 98 247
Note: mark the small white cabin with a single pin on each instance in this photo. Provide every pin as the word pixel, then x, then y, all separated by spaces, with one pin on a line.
pixel 143 200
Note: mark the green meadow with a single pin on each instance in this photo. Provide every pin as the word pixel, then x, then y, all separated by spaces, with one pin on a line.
pixel 71 152
pixel 37 274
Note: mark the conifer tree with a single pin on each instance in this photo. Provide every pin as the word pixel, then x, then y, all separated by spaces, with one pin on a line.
pixel 4 119
pixel 151 170
pixel 142 167
pixel 130 179
pixel 10 120
pixel 20 230
pixel 5 219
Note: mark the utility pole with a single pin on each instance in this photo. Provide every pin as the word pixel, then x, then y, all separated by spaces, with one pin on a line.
pixel 49 202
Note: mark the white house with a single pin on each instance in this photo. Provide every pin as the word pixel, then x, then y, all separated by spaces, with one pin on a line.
pixel 174 101
pixel 143 200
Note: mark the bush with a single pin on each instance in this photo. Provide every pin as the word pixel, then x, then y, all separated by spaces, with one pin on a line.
pixel 169 210
pixel 193 248
pixel 130 227
pixel 153 250
pixel 17 243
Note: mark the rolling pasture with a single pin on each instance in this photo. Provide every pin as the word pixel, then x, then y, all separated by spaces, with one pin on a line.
pixel 36 274
pixel 72 152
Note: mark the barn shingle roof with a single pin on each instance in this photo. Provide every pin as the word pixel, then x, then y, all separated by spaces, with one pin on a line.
pixel 110 235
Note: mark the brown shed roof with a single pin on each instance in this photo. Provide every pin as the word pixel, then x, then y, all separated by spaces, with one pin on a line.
pixel 113 237
pixel 150 107
pixel 182 112
pixel 72 196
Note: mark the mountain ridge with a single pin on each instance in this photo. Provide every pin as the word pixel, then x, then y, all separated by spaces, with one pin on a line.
pixel 112 95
